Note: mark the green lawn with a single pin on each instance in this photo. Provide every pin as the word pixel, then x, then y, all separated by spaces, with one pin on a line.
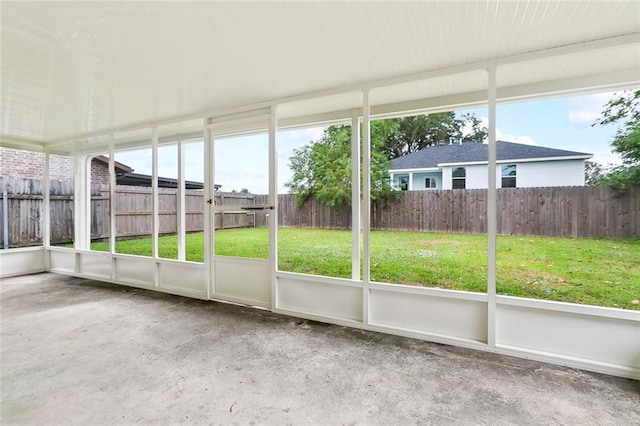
pixel 600 272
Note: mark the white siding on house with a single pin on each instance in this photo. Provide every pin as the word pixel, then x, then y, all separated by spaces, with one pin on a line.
pixel 477 176
pixel 550 173
pixel 419 180
pixel 528 174
pixel 446 178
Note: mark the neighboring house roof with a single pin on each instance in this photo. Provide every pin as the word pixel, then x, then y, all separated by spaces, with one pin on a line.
pixel 120 167
pixel 137 179
pixel 125 176
pixel 468 152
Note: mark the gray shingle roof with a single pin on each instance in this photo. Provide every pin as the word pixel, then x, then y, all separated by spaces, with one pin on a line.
pixel 431 156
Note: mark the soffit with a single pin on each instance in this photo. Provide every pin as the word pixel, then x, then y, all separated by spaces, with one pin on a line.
pixel 72 68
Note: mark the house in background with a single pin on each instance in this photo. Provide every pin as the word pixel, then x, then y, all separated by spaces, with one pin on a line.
pixel 125 176
pixel 29 165
pixel 464 165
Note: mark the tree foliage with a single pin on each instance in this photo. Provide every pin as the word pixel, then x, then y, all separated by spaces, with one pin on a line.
pixel 323 168
pixel 624 110
pixel 593 173
pixel 417 132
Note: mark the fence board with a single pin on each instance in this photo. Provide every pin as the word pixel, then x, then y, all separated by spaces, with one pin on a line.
pixel 578 212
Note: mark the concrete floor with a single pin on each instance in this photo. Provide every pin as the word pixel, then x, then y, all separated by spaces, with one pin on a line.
pixel 76 351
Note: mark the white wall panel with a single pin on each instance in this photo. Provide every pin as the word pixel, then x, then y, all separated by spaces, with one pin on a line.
pixel 551 173
pixel 320 298
pixel 444 316
pixel 182 277
pixel 21 261
pixel 62 261
pixel 589 338
pixel 243 280
pixel 139 270
pixel 477 176
pixel 95 264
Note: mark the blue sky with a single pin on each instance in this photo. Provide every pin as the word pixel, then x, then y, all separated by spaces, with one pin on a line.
pixel 563 123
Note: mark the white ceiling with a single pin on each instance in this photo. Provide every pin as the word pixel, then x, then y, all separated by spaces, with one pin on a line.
pixel 72 68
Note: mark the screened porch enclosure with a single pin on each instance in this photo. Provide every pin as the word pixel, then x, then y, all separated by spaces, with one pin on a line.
pixel 189 113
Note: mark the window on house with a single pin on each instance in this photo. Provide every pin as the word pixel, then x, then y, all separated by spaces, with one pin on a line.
pixel 509 176
pixel 429 182
pixel 458 177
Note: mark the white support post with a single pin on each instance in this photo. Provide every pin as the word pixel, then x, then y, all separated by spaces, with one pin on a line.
pixel 273 202
pixel 366 205
pixel 410 187
pixel 209 215
pixel 355 195
pixel 181 213
pixel 45 223
pixel 87 193
pixel 81 203
pixel 491 213
pixel 154 202
pixel 76 200
pixel 112 207
pixel 45 220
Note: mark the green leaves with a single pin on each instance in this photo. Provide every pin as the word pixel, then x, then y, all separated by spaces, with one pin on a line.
pixel 323 168
pixel 626 142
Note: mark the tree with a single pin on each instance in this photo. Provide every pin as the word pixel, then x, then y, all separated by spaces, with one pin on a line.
pixel 417 132
pixel 323 168
pixel 624 109
pixel 593 173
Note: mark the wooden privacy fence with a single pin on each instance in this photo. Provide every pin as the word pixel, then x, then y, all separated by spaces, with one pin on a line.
pixel 133 211
pixel 578 212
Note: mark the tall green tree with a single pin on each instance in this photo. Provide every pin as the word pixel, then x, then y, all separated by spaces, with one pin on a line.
pixel 322 169
pixel 624 110
pixel 417 132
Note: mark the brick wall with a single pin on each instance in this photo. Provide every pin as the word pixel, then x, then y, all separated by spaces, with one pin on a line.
pixel 99 172
pixel 30 165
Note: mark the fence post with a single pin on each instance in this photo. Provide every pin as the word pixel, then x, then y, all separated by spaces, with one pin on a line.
pixel 5 220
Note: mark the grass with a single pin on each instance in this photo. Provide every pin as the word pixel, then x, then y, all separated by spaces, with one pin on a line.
pixel 603 272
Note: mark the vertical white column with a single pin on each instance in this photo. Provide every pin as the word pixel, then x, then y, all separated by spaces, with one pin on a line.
pixel 154 203
pixel 181 214
pixel 45 218
pixel 112 207
pixel 410 187
pixel 81 202
pixel 77 207
pixel 491 213
pixel 273 202
pixel 209 215
pixel 355 195
pixel 366 205
pixel 112 197
pixel 87 193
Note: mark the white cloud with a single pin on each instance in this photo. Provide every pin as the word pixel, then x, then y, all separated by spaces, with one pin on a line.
pixel 606 158
pixel 583 116
pixel 586 109
pixel 523 139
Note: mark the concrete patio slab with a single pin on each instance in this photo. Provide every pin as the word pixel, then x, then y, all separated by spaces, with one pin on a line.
pixel 77 351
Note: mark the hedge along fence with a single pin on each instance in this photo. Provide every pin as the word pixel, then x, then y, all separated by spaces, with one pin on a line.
pixel 578 212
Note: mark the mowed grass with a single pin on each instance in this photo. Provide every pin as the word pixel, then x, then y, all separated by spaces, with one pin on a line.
pixel 603 272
